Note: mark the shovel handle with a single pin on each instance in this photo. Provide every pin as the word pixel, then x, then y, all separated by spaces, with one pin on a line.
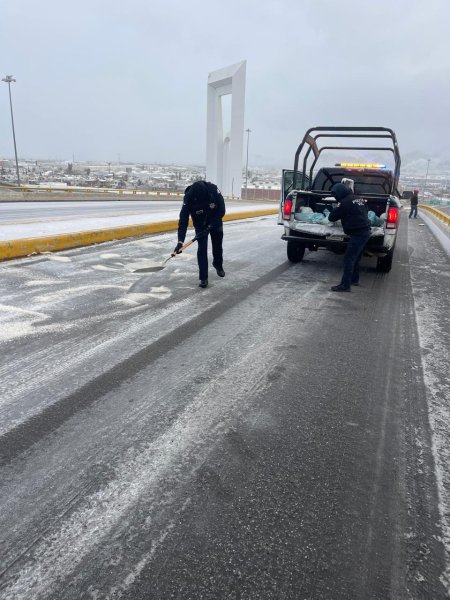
pixel 184 246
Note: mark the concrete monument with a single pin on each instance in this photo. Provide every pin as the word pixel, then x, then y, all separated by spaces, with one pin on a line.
pixel 224 150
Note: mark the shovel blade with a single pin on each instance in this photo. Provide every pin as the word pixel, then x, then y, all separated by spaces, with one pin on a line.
pixel 154 269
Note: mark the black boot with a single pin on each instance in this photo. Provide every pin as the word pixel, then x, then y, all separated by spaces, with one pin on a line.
pixel 203 283
pixel 220 271
pixel 340 288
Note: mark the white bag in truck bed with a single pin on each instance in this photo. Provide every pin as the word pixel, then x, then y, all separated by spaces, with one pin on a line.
pixel 333 232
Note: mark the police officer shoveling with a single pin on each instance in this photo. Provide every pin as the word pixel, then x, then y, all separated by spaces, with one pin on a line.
pixel 204 203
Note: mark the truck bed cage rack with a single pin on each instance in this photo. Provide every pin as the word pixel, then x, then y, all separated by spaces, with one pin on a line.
pixel 314 133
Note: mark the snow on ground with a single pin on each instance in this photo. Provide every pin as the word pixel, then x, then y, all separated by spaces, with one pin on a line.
pixel 22 226
pixel 441 233
pixel 434 333
pixel 94 290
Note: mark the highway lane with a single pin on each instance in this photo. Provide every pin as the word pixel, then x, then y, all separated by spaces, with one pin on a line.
pixel 19 212
pixel 33 219
pixel 14 213
pixel 263 438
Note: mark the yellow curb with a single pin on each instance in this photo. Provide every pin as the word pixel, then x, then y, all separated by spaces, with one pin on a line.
pixel 437 213
pixel 65 241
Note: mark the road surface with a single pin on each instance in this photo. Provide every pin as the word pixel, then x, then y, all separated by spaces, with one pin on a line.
pixel 34 219
pixel 18 212
pixel 263 438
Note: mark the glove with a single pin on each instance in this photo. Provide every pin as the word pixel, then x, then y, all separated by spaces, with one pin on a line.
pixel 177 248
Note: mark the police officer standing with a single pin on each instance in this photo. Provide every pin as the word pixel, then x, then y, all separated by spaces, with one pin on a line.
pixel 352 212
pixel 205 205
pixel 414 203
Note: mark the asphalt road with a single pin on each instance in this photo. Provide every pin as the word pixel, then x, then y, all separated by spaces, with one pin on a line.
pixel 20 212
pixel 263 438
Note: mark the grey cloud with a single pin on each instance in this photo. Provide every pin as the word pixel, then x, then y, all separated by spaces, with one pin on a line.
pixel 103 78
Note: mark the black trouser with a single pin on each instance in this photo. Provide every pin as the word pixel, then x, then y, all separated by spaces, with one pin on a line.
pixel 216 233
pixel 413 211
pixel 355 249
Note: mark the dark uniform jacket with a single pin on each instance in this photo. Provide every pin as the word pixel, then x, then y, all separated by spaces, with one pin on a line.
pixel 351 210
pixel 205 205
pixel 414 199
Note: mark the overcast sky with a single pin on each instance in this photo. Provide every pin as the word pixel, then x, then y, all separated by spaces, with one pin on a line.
pixel 101 78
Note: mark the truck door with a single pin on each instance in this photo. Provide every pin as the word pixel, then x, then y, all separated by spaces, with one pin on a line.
pixel 287 177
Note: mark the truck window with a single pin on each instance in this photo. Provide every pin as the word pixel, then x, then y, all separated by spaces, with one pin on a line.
pixel 365 182
pixel 288 177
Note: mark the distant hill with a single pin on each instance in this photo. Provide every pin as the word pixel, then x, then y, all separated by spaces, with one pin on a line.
pixel 416 164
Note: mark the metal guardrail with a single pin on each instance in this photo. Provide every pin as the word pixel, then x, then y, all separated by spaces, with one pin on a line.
pixel 437 213
pixel 439 202
pixel 112 191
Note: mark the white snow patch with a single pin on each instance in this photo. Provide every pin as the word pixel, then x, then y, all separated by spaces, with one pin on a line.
pixel 441 235
pixel 160 292
pixel 149 244
pixel 58 258
pixel 20 311
pixel 116 592
pixel 110 255
pixel 12 331
pixel 104 268
pixel 39 282
pixel 13 323
pixel 67 293
pixel 435 360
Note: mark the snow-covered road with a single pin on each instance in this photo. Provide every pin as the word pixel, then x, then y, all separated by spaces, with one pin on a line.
pixel 35 219
pixel 262 438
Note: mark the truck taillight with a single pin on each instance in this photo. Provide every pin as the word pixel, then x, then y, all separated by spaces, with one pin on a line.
pixel 287 208
pixel 392 218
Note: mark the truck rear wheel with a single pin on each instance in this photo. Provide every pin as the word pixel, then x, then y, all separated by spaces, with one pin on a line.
pixel 384 263
pixel 295 252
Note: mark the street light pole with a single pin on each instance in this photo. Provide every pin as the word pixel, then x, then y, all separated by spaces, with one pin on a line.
pixel 426 177
pixel 9 79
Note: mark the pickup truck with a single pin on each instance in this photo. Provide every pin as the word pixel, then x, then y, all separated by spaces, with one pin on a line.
pixel 306 199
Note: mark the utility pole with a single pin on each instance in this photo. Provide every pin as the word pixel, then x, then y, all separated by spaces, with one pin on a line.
pixel 10 79
pixel 246 164
pixel 426 178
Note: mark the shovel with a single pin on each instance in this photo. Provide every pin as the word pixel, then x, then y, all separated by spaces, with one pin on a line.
pixel 155 268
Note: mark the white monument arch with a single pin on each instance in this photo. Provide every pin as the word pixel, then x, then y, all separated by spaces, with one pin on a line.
pixel 224 150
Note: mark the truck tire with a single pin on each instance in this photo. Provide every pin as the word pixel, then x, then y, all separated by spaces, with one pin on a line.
pixel 295 252
pixel 384 263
